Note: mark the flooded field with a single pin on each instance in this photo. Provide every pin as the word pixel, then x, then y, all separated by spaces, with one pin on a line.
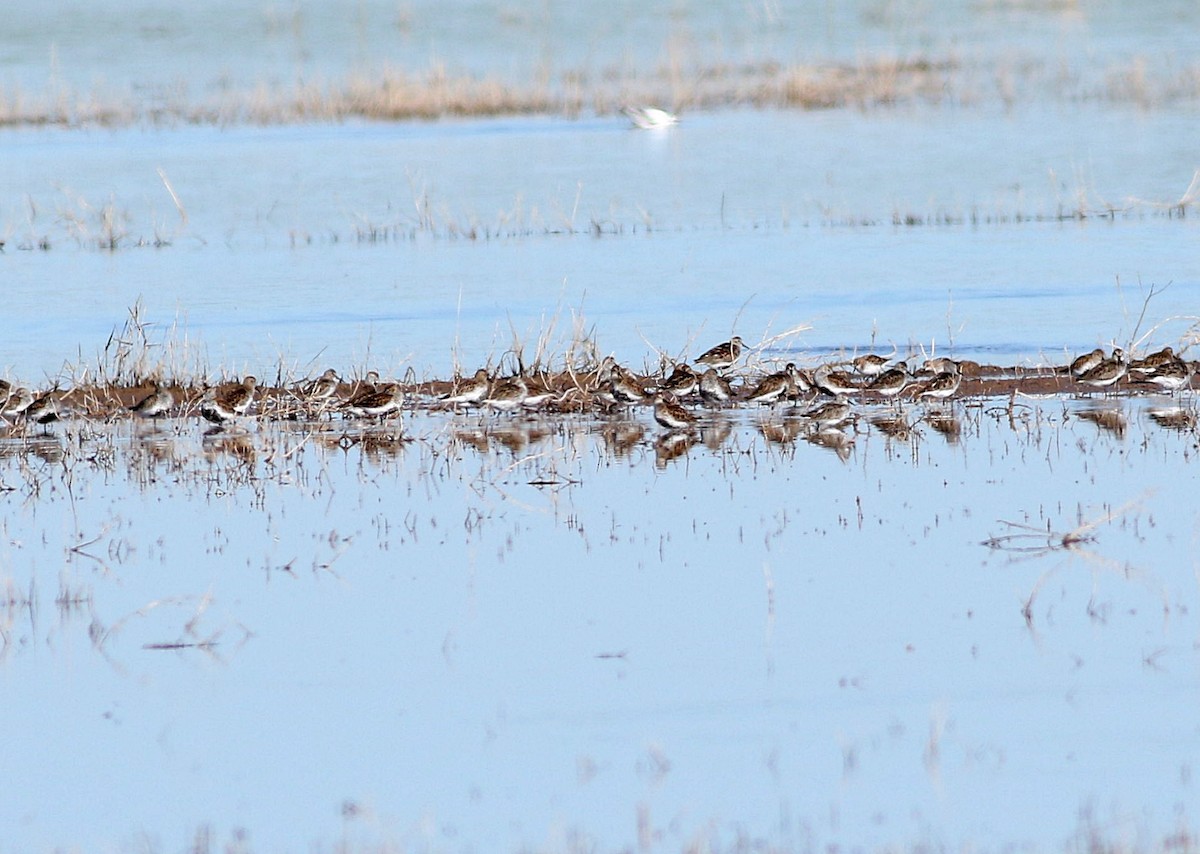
pixel 960 622
pixel 563 632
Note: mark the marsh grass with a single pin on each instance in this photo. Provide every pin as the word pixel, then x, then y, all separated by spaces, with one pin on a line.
pixel 559 353
pixel 387 93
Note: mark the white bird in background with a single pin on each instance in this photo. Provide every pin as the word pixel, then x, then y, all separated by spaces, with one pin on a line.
pixel 650 118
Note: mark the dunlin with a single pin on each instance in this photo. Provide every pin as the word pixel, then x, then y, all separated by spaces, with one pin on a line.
pixel 155 403
pixel 377 402
pixel 723 355
pixel 472 390
pixel 1154 361
pixel 1086 362
pixel 944 384
pixel 1172 375
pixel 322 388
pixel 714 388
pixel 1107 373
pixel 870 364
pixel 43 410
pixel 774 386
pixel 835 382
pixel 829 414
pixel 682 381
pixel 232 403
pixel 670 414
pixel 890 383
pixel 507 394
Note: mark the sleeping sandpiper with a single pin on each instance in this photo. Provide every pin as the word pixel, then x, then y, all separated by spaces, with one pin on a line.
pixel 650 118
pixel 625 387
pixel 1171 376
pixel 939 365
pixel 829 414
pixel 714 388
pixel 1086 362
pixel 723 355
pixel 670 414
pixel 870 364
pixel 834 382
pixel 377 402
pixel 507 394
pixel 682 381
pixel 538 393
pixel 157 402
pixel 230 404
pixel 1154 361
pixel 19 399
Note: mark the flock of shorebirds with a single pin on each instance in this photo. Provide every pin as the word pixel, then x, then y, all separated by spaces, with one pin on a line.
pixel 822 395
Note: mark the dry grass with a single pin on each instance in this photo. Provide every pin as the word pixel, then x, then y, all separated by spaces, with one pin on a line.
pixel 392 94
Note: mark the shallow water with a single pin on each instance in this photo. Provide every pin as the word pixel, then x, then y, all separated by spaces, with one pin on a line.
pixel 152 48
pixel 463 646
pixel 697 232
pixel 487 634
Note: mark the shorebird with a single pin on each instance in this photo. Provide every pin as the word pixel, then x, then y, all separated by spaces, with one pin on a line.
pixel 714 388
pixel 1086 362
pixel 1107 373
pixel 870 365
pixel 682 381
pixel 380 401
pixel 322 388
pixel 625 387
pixel 43 410
pixel 537 392
pixel 891 382
pixel 1154 361
pixel 19 399
pixel 155 403
pixel 774 386
pixel 944 383
pixel 232 403
pixel 469 391
pixel 834 382
pixel 829 414
pixel 723 355
pixel 650 118
pixel 1172 375
pixel 507 394
pixel 939 365
pixel 670 414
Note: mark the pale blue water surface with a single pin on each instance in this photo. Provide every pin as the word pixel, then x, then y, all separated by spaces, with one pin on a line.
pixel 751 639
pixel 774 644
pixel 650 237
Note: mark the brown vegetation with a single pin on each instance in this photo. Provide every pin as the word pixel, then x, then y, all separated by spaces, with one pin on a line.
pixel 392 94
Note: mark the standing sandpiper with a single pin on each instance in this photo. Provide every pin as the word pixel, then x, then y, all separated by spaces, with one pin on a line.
pixel 723 355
